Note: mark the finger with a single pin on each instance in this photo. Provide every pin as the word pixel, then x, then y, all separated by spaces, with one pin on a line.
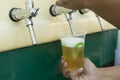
pixel 63 67
pixel 80 70
pixel 64 70
pixel 77 78
pixel 63 64
pixel 76 73
pixel 84 77
pixel 88 63
pixel 64 1
pixel 89 66
pixel 61 2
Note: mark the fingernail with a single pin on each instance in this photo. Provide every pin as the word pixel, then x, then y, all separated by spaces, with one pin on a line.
pixel 62 61
pixel 80 70
pixel 65 64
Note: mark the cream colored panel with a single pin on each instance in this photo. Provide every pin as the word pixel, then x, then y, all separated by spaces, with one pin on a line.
pixel 47 28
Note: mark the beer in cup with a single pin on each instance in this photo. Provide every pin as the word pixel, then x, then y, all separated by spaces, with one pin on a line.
pixel 73 50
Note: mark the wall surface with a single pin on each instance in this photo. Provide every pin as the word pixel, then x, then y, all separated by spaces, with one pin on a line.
pixel 16 35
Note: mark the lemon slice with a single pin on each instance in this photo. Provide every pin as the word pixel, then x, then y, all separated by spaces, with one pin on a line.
pixel 80 44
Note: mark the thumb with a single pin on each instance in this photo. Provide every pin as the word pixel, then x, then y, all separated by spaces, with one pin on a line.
pixel 89 67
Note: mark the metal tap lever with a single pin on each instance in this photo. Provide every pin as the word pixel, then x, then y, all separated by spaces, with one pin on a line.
pixel 30 10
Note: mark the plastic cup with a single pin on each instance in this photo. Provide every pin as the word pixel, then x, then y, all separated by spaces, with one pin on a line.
pixel 73 50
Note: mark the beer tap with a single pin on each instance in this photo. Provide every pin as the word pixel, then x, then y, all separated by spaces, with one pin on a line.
pixel 17 14
pixel 57 10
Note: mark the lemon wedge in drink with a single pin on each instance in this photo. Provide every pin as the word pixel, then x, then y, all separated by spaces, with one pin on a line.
pixel 77 47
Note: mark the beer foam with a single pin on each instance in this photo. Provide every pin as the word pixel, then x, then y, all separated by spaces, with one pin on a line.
pixel 71 41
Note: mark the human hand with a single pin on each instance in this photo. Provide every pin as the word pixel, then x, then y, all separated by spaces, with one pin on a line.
pixel 89 72
pixel 71 4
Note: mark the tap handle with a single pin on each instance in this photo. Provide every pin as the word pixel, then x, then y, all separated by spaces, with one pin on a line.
pixel 34 12
pixel 57 10
pixel 29 4
pixel 30 10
